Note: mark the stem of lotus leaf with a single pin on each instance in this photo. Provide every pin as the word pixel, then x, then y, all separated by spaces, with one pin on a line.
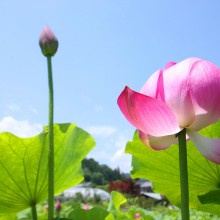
pixel 51 144
pixel 34 212
pixel 183 175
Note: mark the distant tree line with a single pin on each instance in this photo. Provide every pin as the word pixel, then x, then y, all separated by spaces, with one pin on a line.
pixel 100 174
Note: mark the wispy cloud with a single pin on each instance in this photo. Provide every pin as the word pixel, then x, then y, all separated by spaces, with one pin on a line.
pixel 99 154
pixel 13 107
pixel 117 155
pixel 110 146
pixel 88 100
pixel 33 110
pixel 120 144
pixel 121 141
pixel 20 128
pixel 101 131
pixel 98 108
pixel 119 158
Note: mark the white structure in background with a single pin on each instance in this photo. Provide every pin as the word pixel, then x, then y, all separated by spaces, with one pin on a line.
pixel 145 185
pixel 152 195
pixel 146 189
pixel 86 192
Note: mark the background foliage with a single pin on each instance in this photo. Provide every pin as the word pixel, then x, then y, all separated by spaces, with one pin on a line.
pixel 100 174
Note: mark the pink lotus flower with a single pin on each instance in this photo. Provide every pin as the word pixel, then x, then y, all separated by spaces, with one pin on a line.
pixel 86 207
pixel 137 215
pixel 58 206
pixel 183 95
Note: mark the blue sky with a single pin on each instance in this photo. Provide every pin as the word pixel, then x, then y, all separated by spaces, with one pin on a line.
pixel 103 46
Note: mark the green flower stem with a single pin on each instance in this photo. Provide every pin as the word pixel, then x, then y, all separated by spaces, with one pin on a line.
pixel 183 175
pixel 34 212
pixel 51 145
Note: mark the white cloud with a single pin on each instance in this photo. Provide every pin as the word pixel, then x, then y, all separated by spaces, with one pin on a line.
pixel 110 145
pixel 20 128
pixel 113 160
pixel 117 155
pixel 100 155
pixel 121 141
pixel 101 131
pixel 119 158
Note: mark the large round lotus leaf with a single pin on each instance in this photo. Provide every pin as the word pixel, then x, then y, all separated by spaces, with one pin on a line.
pixel 24 165
pixel 162 168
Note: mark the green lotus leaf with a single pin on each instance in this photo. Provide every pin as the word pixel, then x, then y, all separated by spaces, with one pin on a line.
pixel 212 197
pixel 116 200
pixel 8 216
pixel 95 213
pixel 24 165
pixel 162 168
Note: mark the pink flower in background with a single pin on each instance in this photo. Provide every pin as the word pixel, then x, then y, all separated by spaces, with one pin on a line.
pixel 183 95
pixel 86 207
pixel 58 206
pixel 137 215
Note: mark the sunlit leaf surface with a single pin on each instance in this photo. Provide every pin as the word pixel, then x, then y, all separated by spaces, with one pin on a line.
pixel 94 213
pixel 162 168
pixel 116 200
pixel 24 165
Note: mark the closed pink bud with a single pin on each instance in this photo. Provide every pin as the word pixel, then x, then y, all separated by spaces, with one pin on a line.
pixel 48 42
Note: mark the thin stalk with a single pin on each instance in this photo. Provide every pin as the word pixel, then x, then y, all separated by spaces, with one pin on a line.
pixel 183 175
pixel 34 212
pixel 51 144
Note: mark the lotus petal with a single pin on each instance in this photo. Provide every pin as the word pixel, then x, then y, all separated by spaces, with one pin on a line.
pixel 158 143
pixel 209 147
pixel 147 114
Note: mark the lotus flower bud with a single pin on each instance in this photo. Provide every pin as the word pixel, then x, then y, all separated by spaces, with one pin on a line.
pixel 48 42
